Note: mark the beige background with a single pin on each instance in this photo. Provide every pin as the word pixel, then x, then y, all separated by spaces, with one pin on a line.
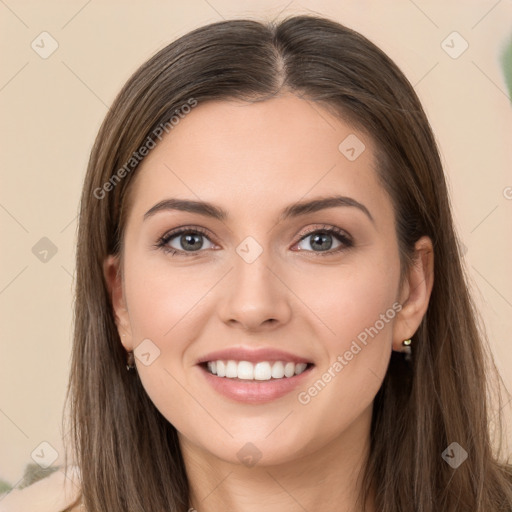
pixel 52 108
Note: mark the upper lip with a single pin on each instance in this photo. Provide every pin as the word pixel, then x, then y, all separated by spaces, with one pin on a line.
pixel 253 355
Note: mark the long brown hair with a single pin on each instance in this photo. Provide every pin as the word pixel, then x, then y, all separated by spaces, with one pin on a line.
pixel 128 453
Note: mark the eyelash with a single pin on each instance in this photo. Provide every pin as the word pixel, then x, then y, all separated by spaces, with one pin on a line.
pixel 331 230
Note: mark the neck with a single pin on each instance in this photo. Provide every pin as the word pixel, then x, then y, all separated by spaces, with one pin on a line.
pixel 329 478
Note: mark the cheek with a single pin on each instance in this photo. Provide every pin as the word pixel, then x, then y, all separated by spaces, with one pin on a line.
pixel 356 308
pixel 164 307
pixel 169 305
pixel 350 300
pixel 162 299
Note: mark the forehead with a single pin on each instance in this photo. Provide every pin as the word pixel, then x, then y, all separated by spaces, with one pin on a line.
pixel 248 156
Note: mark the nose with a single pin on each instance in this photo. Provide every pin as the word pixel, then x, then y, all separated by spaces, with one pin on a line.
pixel 255 297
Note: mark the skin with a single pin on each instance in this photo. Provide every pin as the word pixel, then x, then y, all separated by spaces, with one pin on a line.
pixel 253 160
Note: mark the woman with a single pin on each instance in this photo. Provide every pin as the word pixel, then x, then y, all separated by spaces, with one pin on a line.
pixel 271 308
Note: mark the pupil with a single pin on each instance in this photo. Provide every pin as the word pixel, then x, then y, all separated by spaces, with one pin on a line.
pixel 323 238
pixel 189 239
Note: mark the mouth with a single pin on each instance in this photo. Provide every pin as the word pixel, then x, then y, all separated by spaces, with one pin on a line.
pixel 259 371
pixel 257 381
pixel 245 374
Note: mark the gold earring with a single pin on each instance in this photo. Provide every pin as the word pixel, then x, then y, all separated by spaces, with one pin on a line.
pixel 406 344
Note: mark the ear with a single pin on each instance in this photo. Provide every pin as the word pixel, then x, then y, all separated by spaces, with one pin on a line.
pixel 115 284
pixel 415 293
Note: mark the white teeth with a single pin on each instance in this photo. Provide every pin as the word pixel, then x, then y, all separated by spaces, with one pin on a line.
pixel 245 370
pixel 231 370
pixel 278 370
pixel 299 368
pixel 221 368
pixel 289 369
pixel 263 370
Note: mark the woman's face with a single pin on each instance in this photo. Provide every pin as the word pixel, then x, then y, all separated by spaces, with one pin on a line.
pixel 265 285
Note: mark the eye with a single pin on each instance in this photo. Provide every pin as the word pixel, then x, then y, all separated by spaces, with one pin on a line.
pixel 183 240
pixel 187 240
pixel 321 241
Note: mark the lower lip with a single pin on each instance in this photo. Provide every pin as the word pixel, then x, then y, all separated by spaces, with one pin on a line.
pixel 254 391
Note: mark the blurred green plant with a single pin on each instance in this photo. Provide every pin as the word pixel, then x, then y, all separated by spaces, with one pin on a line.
pixel 4 486
pixel 33 473
pixel 506 63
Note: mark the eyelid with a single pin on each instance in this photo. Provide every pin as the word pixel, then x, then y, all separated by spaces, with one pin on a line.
pixel 326 227
pixel 180 229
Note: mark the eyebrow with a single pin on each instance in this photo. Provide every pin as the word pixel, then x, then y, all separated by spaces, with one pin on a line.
pixel 294 210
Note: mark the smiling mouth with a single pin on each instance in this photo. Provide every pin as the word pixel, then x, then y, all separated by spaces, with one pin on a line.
pixel 256 372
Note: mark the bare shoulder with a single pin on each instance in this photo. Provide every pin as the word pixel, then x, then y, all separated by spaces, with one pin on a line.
pixel 55 493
